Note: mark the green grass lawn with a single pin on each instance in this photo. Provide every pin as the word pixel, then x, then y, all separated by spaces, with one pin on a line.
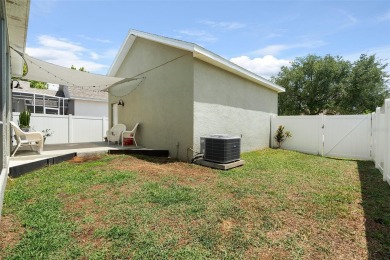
pixel 279 205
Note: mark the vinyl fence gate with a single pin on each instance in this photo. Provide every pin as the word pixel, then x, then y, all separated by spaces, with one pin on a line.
pixel 344 136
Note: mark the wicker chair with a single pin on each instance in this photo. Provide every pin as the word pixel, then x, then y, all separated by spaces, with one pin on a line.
pixel 115 133
pixel 32 139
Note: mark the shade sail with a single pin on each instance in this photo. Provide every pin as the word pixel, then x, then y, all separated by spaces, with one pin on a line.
pixel 40 70
pixel 125 86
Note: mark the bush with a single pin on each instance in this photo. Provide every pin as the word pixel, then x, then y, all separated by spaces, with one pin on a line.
pixel 24 119
pixel 281 136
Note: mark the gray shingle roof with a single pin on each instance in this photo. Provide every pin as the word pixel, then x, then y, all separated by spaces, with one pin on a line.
pixel 25 88
pixel 74 92
pixel 83 93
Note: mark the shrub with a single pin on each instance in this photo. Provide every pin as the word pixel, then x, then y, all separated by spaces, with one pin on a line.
pixel 24 119
pixel 281 136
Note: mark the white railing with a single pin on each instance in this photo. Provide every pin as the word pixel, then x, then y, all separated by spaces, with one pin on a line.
pixel 381 139
pixel 68 128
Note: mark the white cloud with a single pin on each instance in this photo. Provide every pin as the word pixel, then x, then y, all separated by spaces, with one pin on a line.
pixel 95 56
pixel 277 48
pixel 95 39
pixel 385 17
pixel 223 25
pixel 273 35
pixel 59 43
pixel 272 49
pixel 349 19
pixel 381 53
pixel 201 36
pixel 266 66
pixel 66 53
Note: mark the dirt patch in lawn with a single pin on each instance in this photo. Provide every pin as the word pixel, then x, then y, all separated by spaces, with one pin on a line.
pixel 81 208
pixel 183 173
pixel 11 232
pixel 87 158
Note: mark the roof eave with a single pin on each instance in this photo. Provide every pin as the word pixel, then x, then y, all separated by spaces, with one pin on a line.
pixel 89 99
pixel 198 52
pixel 129 41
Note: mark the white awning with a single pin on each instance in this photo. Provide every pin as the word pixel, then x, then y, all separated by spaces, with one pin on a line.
pixel 40 70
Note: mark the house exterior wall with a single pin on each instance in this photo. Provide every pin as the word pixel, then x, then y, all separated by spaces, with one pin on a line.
pixel 228 104
pixel 89 108
pixel 163 102
pixel 5 103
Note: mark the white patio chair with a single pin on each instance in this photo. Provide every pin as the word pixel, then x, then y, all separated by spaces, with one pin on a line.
pixel 27 138
pixel 115 133
pixel 130 134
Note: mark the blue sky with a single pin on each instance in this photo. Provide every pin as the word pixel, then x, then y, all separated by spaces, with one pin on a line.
pixel 261 36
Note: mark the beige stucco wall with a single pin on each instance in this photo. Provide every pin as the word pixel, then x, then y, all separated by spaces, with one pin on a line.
pixel 163 102
pixel 227 104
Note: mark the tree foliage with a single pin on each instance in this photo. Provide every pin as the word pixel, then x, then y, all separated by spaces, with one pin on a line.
pixel 80 69
pixel 38 84
pixel 34 83
pixel 332 85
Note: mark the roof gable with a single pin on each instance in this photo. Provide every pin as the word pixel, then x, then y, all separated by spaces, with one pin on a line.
pixel 198 52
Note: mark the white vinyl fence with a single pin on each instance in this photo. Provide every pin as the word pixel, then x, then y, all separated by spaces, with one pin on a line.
pixel 381 139
pixel 68 128
pixel 334 136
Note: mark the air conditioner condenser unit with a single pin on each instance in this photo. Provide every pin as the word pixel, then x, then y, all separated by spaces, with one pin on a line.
pixel 220 148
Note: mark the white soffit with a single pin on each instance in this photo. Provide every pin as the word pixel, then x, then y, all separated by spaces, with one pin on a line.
pixel 17 12
pixel 47 72
pixel 198 52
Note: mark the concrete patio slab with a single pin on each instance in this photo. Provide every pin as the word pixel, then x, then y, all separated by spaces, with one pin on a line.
pixel 27 160
pixel 220 166
pixel 25 155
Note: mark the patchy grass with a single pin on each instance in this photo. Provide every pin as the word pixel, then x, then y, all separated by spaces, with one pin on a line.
pixel 281 204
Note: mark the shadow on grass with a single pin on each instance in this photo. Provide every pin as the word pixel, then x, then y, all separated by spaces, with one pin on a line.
pixel 376 205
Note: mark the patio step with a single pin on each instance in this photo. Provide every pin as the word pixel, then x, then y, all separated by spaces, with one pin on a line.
pixel 19 170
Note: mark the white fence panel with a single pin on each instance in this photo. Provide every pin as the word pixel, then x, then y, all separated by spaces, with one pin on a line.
pixel 56 123
pixel 379 135
pixel 347 136
pixel 68 128
pixel 87 129
pixel 305 130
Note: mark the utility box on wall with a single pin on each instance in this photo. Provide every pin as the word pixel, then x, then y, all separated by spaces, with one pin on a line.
pixel 220 148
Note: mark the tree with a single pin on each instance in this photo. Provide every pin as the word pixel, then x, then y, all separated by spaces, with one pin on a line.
pixel 330 84
pixel 38 84
pixel 367 87
pixel 80 69
pixel 33 83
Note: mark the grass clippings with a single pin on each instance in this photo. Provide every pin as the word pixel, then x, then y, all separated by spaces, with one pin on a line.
pixel 279 205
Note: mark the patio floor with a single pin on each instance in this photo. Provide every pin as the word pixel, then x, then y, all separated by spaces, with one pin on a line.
pixel 26 160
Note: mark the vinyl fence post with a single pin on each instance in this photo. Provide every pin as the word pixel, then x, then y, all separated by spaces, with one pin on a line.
pixel 271 130
pixel 103 132
pixel 70 128
pixel 321 137
pixel 377 137
pixel 386 166
pixel 373 136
